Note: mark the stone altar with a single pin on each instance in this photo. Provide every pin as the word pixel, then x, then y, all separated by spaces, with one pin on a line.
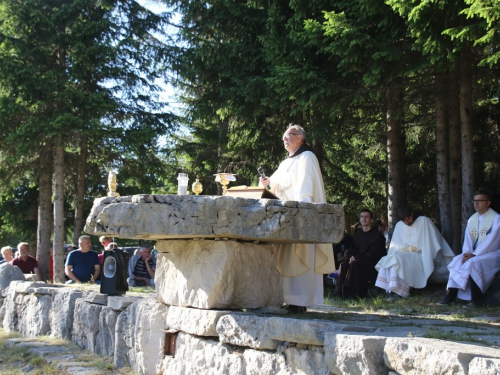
pixel 195 268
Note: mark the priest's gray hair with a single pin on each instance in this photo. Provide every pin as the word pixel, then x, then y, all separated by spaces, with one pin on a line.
pixel 298 129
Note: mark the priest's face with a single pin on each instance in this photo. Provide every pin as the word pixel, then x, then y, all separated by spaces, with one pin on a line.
pixel 481 203
pixel 292 140
pixel 408 220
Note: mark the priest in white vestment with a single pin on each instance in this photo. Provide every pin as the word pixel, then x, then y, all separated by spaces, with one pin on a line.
pixel 472 272
pixel 415 245
pixel 298 178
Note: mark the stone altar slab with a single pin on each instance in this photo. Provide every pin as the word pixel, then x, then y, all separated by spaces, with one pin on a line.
pixel 158 217
pixel 209 274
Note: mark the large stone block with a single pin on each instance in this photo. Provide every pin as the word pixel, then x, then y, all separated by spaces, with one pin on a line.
pixel 9 273
pixel 217 274
pixel 10 306
pixel 194 321
pixel 309 332
pixel 301 361
pixel 355 355
pixel 62 313
pixel 86 324
pixel 431 356
pixel 484 366
pixel 105 340
pixel 140 336
pixel 157 217
pixel 33 315
pixel 197 355
pixel 246 330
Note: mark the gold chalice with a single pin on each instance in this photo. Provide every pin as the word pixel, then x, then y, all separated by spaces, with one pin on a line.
pixel 224 179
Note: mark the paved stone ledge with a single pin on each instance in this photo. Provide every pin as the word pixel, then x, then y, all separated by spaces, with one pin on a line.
pixel 157 217
pixel 228 342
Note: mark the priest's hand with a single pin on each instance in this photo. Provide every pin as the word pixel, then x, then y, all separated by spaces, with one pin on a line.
pixel 351 259
pixel 265 181
pixel 466 257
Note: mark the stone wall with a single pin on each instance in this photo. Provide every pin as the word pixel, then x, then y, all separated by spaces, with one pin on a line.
pixel 154 338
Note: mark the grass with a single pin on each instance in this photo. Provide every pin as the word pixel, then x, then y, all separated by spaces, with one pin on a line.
pixel 14 358
pixel 422 302
pixel 441 334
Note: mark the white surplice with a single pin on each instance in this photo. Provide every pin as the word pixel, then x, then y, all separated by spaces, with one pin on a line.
pixel 484 265
pixel 410 259
pixel 302 265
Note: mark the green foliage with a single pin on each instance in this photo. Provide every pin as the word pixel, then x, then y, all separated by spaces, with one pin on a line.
pixel 86 70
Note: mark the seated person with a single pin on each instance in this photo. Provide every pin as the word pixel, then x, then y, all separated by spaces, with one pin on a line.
pixel 410 260
pixel 6 254
pixel 108 247
pixel 340 249
pixel 82 265
pixel 141 268
pixel 472 272
pixel 366 250
pixel 27 263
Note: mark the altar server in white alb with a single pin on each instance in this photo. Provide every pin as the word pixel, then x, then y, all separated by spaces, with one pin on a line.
pixel 472 272
pixel 415 246
pixel 301 266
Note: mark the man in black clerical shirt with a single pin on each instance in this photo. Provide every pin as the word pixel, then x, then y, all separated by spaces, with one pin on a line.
pixel 366 250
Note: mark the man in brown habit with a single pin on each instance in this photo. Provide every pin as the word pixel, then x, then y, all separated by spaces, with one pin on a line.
pixel 358 267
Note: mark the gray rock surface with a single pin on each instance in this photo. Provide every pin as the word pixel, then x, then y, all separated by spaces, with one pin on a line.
pixel 96 298
pixel 105 340
pixel 33 315
pixel 140 336
pixel 120 303
pixel 350 354
pixel 9 307
pixel 158 217
pixel 484 366
pixel 210 274
pixel 62 313
pixel 196 355
pixel 9 273
pixel 431 356
pixel 302 361
pixel 86 324
pixel 194 321
pixel 246 331
pixel 309 332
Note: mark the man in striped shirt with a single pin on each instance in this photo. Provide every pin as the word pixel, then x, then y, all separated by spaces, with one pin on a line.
pixel 141 268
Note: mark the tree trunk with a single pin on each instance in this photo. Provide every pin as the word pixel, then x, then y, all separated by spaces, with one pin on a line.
pixel 455 161
pixel 396 165
pixel 59 211
pixel 80 190
pixel 44 228
pixel 465 98
pixel 442 159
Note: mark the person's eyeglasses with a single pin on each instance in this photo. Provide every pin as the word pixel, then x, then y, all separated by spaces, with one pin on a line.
pixel 479 200
pixel 287 135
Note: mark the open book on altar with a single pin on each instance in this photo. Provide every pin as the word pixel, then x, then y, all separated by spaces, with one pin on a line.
pixel 254 192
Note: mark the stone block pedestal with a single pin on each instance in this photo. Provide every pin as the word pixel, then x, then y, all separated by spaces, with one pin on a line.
pixel 210 274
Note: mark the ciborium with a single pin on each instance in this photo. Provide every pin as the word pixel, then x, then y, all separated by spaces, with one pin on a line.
pixel 197 187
